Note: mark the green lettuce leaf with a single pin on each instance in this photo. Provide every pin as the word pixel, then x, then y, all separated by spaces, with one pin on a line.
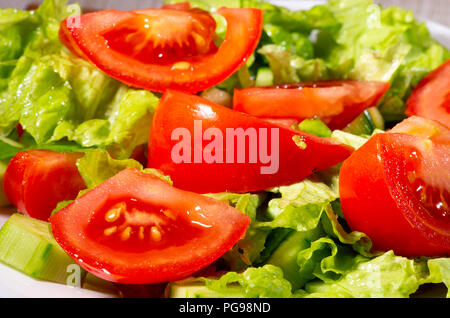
pixel 386 276
pixel 10 147
pixel 349 139
pixel 380 44
pixel 439 269
pixel 97 166
pixel 247 250
pixel 263 282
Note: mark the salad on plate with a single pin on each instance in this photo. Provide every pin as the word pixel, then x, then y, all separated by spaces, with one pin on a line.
pixel 226 149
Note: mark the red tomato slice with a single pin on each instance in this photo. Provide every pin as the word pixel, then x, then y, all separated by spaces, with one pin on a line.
pixel 137 229
pixel 20 130
pixel 336 103
pixel 36 180
pixel 258 159
pixel 157 49
pixel 288 122
pixel 431 98
pixel 395 188
pixel 140 154
pixel 177 6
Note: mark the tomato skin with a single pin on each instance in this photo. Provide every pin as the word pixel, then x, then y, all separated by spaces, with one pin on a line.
pixel 377 199
pixel 36 180
pixel 336 103
pixel 20 130
pixel 178 110
pixel 177 6
pixel 222 226
pixel 202 72
pixel 431 98
pixel 140 154
pixel 288 122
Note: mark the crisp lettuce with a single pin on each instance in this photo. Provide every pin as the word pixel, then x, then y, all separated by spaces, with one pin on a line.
pixel 302 237
pixel 439 269
pixel 248 249
pixel 97 166
pixel 263 282
pixel 318 238
pixel 349 139
pixel 387 276
pixel 384 44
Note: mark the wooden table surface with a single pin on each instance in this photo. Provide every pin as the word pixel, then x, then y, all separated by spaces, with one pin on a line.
pixel 434 10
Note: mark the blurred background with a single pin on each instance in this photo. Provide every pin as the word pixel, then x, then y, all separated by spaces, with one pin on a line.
pixel 432 10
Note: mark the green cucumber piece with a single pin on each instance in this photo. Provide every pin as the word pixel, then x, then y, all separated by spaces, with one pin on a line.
pixel 365 124
pixel 377 118
pixel 197 289
pixel 27 245
pixel 189 291
pixel 3 199
pixel 264 77
pixel 361 125
pixel 315 127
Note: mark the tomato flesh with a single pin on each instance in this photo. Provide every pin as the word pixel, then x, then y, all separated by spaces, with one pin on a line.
pixel 165 55
pixel 431 98
pixel 395 189
pixel 128 225
pixel 147 37
pixel 177 6
pixel 137 229
pixel 294 155
pixel 36 180
pixel 336 103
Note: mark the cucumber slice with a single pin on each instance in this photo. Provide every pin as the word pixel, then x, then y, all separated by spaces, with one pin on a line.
pixel 3 199
pixel 377 118
pixel 189 291
pixel 366 123
pixel 198 290
pixel 27 245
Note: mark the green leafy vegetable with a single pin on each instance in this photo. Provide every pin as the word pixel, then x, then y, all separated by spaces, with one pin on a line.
pixel 97 166
pixel 381 44
pixel 387 276
pixel 264 282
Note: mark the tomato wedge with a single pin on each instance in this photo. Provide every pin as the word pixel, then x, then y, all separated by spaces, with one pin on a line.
pixel 431 98
pixel 36 180
pixel 206 147
pixel 137 229
pixel 177 6
pixel 288 122
pixel 395 188
pixel 336 103
pixel 158 49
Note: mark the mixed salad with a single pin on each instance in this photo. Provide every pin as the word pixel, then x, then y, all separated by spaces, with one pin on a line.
pixel 227 148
